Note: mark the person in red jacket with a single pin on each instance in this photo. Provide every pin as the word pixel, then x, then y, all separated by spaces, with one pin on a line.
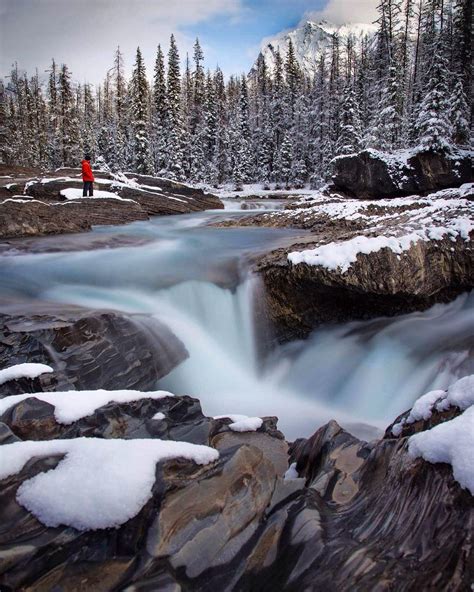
pixel 87 177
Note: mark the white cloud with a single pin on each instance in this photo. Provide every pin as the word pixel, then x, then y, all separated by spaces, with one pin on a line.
pixel 340 12
pixel 85 33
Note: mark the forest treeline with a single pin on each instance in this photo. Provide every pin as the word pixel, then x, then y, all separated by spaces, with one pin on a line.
pixel 408 84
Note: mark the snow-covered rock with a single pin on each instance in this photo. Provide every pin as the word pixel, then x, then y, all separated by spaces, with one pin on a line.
pixel 27 370
pixel 372 174
pixel 73 405
pixel 99 483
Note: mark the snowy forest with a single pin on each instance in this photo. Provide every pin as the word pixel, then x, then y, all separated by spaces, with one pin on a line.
pixel 407 85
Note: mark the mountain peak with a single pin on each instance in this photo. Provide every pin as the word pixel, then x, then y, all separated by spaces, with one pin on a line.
pixel 309 40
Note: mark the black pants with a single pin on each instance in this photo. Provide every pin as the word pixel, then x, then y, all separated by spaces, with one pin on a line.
pixel 88 186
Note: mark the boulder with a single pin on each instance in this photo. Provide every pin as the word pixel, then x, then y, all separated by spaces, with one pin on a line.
pixel 371 174
pixel 87 349
pixel 382 283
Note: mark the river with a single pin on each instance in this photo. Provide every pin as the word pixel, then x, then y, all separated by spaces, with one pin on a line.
pixel 197 280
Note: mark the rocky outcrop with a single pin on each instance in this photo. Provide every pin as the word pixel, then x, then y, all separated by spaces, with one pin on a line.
pixel 371 174
pixel 21 217
pixel 36 206
pixel 361 516
pixel 87 349
pixel 383 283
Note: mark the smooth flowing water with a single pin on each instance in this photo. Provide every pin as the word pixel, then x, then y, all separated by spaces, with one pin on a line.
pixel 195 279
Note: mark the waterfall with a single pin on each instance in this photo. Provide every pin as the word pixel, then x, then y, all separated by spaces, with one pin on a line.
pixel 193 278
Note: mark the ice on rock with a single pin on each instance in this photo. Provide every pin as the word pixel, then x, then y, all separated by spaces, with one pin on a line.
pixel 99 483
pixel 69 406
pixel 28 370
pixel 449 442
pixel 159 416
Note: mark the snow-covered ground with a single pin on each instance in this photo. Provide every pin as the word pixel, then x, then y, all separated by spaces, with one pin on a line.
pixel 388 223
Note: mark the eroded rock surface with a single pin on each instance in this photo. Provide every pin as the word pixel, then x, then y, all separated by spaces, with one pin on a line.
pixel 362 516
pixel 87 349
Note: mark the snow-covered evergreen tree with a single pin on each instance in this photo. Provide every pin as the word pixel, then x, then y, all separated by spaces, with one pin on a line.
pixel 140 117
pixel 458 115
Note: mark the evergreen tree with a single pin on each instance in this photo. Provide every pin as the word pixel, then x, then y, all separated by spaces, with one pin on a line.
pixel 350 139
pixel 433 127
pixel 140 117
pixel 174 123
pixel 458 115
pixel 68 120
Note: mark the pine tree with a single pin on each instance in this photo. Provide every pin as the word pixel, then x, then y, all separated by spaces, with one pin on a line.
pixel 349 140
pixel 174 124
pixel 458 115
pixel 432 125
pixel 159 112
pixel 140 118
pixel 68 120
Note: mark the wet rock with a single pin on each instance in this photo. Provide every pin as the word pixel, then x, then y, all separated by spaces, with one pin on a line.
pixel 373 174
pixel 87 349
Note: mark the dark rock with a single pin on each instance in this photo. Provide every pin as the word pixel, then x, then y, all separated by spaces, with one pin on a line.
pixel 301 297
pixel 87 349
pixel 362 517
pixel 372 174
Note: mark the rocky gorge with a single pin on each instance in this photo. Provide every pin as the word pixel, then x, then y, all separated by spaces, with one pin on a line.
pixel 246 507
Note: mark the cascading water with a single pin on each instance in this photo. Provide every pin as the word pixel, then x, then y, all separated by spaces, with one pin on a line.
pixel 194 279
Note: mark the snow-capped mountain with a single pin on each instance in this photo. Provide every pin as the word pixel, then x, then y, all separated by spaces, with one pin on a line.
pixel 309 40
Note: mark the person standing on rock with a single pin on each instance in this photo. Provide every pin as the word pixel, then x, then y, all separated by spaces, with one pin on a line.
pixel 87 177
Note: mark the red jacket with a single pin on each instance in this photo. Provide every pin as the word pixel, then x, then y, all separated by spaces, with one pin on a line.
pixel 87 171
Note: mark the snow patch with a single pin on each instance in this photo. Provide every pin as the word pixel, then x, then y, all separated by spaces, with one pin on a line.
pixel 99 484
pixel 70 406
pixel 291 473
pixel 449 442
pixel 460 394
pixel 249 424
pixel 73 193
pixel 28 370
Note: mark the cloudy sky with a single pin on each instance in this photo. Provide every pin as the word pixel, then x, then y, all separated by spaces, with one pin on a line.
pixel 84 33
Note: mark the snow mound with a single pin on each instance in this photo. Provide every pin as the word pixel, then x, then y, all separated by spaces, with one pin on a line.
pixel 73 405
pixel 99 483
pixel 450 442
pixel 242 423
pixel 249 424
pixel 23 371
pixel 460 394
pixel 159 416
pixel 73 193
